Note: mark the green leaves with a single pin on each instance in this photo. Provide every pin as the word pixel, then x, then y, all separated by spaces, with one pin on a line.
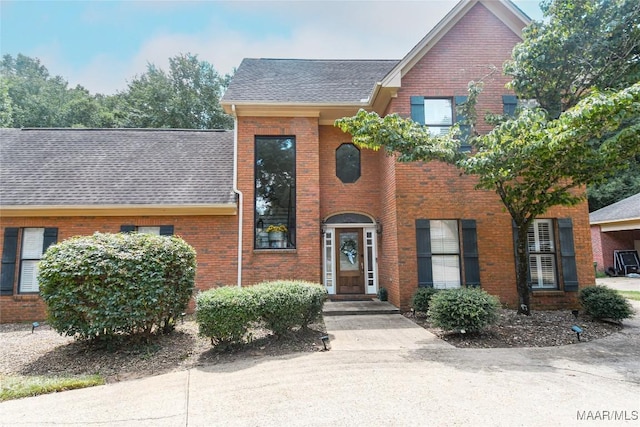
pixel 580 45
pixel 187 97
pixel 410 140
pixel 463 309
pixel 225 314
pixel 105 285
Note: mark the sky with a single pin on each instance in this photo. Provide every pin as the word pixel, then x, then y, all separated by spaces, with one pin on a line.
pixel 102 45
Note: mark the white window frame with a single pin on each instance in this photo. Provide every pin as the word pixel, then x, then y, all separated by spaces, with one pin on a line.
pixel 435 127
pixel 542 255
pixel 154 230
pixel 31 252
pixel 445 253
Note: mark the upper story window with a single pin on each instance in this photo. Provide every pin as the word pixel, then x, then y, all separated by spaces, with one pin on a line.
pixel 348 163
pixel 275 192
pixel 438 115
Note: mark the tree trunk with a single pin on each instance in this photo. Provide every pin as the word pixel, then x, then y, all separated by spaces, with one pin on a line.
pixel 522 272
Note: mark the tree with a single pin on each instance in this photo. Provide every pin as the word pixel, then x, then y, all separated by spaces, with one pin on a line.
pixel 36 99
pixel 532 162
pixel 579 46
pixel 187 97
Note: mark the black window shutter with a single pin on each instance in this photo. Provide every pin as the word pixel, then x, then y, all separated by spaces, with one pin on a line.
pixel 9 251
pixel 166 230
pixel 417 109
pixel 470 252
pixel 509 104
pixel 423 250
pixel 465 128
pixel 127 228
pixel 50 237
pixel 567 254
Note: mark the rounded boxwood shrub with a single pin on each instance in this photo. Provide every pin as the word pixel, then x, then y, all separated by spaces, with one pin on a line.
pixel 286 304
pixel 225 314
pixel 463 309
pixel 422 299
pixel 601 302
pixel 108 285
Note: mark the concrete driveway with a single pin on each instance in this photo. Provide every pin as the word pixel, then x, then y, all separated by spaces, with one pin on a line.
pixel 396 376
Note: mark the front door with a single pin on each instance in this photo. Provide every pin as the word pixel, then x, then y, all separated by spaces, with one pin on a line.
pixel 350 265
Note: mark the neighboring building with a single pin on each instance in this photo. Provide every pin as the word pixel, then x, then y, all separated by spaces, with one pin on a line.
pixel 356 220
pixel 615 228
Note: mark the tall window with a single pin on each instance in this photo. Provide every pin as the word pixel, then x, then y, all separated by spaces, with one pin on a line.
pixel 542 254
pixel 445 250
pixel 438 115
pixel 275 192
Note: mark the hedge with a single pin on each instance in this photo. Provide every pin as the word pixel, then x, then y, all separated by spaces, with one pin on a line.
pixel 107 285
pixel 463 309
pixel 226 314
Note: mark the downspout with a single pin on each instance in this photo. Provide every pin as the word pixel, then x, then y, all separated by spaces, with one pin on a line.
pixel 237 191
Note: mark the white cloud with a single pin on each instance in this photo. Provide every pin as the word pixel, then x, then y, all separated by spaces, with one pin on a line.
pixel 303 29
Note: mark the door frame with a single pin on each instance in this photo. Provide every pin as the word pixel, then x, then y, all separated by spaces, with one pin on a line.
pixel 370 245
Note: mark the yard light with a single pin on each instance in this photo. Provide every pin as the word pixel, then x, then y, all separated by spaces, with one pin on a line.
pixel 575 313
pixel 34 325
pixel 325 339
pixel 577 329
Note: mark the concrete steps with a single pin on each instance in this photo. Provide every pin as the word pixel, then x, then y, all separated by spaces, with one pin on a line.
pixel 345 308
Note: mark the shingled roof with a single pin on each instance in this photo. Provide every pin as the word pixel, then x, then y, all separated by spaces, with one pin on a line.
pixel 306 81
pixel 115 167
pixel 624 210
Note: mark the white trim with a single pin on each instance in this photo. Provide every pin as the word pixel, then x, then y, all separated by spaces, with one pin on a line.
pixel 117 210
pixel 504 10
pixel 369 242
pixel 328 261
pixel 238 192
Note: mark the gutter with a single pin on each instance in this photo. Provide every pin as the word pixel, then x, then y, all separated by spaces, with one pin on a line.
pixel 237 191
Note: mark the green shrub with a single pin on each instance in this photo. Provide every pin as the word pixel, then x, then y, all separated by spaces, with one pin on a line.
pixel 225 314
pixel 601 302
pixel 464 309
pixel 422 299
pixel 283 305
pixel 383 294
pixel 109 285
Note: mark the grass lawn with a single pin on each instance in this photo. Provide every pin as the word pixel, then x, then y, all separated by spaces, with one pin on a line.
pixel 15 387
pixel 634 295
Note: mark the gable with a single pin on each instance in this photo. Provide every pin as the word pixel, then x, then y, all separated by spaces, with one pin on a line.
pixel 330 89
pixel 148 171
pixel 505 12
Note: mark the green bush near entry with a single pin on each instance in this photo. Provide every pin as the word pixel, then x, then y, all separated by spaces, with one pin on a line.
pixel 284 305
pixel 106 286
pixel 464 309
pixel 226 314
pixel 422 299
pixel 601 302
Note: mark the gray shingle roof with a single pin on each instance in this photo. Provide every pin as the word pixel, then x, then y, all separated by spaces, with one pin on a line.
pixel 115 167
pixel 312 81
pixel 628 208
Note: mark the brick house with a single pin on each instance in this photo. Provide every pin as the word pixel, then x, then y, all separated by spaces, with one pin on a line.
pixel 356 220
pixel 615 228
